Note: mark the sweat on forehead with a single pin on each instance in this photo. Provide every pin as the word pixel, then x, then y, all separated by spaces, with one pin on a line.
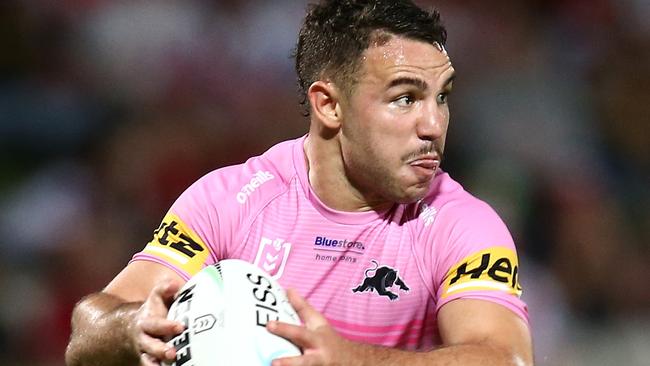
pixel 381 37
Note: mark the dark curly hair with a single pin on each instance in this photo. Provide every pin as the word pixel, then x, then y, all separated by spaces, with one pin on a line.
pixel 335 33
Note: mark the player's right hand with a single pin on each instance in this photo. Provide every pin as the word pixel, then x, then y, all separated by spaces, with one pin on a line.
pixel 151 328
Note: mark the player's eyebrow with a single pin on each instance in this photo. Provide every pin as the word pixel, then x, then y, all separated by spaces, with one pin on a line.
pixel 419 83
pixel 450 79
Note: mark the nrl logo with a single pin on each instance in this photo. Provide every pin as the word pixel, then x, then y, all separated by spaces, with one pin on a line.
pixel 272 256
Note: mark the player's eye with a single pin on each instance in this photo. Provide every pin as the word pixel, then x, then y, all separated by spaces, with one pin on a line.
pixel 442 98
pixel 404 101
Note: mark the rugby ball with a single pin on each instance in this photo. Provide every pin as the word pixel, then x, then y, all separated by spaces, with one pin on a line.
pixel 225 308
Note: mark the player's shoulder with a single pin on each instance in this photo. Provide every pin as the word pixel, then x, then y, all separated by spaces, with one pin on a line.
pixel 260 176
pixel 452 203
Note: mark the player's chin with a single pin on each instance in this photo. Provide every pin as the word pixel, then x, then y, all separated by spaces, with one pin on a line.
pixel 414 193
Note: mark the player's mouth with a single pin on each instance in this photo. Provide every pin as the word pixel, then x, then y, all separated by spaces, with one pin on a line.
pixel 425 166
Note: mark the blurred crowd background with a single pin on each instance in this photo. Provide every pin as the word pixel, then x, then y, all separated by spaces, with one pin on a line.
pixel 110 108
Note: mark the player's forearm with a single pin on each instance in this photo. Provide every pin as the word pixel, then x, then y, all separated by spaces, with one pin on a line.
pixel 467 355
pixel 100 332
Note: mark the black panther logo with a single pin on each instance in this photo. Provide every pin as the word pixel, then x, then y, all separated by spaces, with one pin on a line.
pixel 383 278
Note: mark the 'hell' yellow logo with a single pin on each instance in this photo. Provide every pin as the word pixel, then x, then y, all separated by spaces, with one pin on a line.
pixel 495 268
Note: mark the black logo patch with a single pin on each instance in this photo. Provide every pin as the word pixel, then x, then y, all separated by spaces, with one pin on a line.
pixel 185 244
pixel 175 242
pixel 383 278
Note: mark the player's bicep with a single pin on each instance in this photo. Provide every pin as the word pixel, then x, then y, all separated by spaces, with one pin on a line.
pixel 473 321
pixel 136 280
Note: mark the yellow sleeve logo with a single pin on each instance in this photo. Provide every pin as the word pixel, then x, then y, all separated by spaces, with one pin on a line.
pixel 176 243
pixel 494 268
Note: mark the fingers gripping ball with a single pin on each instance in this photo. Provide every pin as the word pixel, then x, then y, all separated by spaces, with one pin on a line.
pixel 225 308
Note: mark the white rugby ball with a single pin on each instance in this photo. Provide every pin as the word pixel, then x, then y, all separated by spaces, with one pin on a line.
pixel 225 308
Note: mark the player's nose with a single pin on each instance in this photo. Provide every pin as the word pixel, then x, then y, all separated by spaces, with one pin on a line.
pixel 432 122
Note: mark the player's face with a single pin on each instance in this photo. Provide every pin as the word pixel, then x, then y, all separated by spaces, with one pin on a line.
pixel 395 120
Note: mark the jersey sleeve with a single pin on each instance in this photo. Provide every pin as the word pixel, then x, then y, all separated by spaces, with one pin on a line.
pixel 208 221
pixel 185 240
pixel 477 258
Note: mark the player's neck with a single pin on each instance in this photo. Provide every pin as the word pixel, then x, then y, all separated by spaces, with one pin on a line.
pixel 328 180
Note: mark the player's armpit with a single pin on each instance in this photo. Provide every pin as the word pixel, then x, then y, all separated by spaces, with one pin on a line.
pixel 135 281
pixel 472 321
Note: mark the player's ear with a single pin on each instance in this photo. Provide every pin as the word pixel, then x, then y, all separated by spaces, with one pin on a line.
pixel 325 101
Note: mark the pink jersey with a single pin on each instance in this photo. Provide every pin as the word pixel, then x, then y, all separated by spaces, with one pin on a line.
pixel 378 277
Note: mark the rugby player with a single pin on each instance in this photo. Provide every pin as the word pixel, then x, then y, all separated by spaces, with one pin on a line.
pixel 390 260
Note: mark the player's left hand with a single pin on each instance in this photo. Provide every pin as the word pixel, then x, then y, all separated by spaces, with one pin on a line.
pixel 320 343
